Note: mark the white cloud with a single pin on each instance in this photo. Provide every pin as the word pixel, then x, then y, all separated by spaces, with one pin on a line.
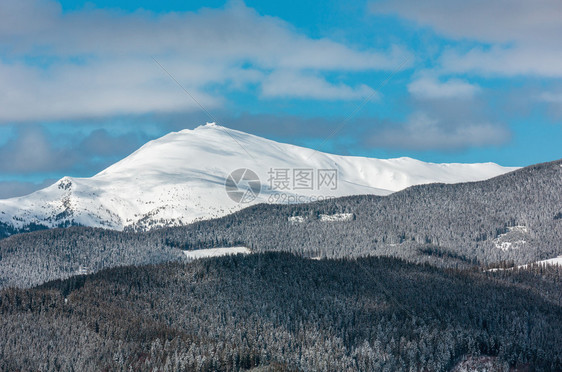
pixel 93 63
pixel 505 61
pixel 30 151
pixel 520 37
pixel 33 151
pixel 12 189
pixel 294 84
pixel 104 88
pixel 551 97
pixel 432 88
pixel 497 21
pixel 422 132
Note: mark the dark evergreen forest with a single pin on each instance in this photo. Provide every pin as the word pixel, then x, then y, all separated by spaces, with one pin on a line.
pixel 280 312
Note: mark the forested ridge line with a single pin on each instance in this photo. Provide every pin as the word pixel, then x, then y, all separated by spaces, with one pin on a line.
pixel 276 309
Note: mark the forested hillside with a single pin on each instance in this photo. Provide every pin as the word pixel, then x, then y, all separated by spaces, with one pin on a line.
pixel 31 259
pixel 284 312
pixel 511 218
pixel 8 230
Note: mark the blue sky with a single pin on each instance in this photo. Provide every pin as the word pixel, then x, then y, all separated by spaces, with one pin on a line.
pixel 450 80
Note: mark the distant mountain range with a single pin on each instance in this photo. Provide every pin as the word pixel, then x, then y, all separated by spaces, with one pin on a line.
pixel 512 219
pixel 180 178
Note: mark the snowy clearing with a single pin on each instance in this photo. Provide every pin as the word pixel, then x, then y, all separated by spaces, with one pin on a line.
pixel 296 219
pixel 512 238
pixel 336 217
pixel 551 261
pixel 215 252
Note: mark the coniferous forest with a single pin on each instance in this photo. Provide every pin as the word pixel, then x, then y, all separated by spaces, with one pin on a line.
pixel 427 279
pixel 280 312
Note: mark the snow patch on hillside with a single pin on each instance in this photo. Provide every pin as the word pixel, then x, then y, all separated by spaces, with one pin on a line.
pixel 215 252
pixel 336 217
pixel 552 261
pixel 296 219
pixel 512 239
pixel 557 261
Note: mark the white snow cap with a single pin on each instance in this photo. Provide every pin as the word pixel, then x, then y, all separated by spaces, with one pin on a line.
pixel 180 178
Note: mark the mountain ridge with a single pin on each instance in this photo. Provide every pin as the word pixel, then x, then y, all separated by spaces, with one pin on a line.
pixel 180 178
pixel 462 225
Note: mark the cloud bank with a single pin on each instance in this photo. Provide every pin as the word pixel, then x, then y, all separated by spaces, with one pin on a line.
pixel 96 63
pixel 518 36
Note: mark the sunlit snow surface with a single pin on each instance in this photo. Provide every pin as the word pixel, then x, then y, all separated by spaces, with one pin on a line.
pixel 215 252
pixel 557 261
pixel 512 239
pixel 553 261
pixel 179 178
pixel 336 217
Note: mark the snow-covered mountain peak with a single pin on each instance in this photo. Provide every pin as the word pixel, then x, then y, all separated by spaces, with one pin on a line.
pixel 181 177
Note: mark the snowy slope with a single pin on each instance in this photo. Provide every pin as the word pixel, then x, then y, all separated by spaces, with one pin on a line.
pixel 180 178
pixel 215 252
pixel 557 261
